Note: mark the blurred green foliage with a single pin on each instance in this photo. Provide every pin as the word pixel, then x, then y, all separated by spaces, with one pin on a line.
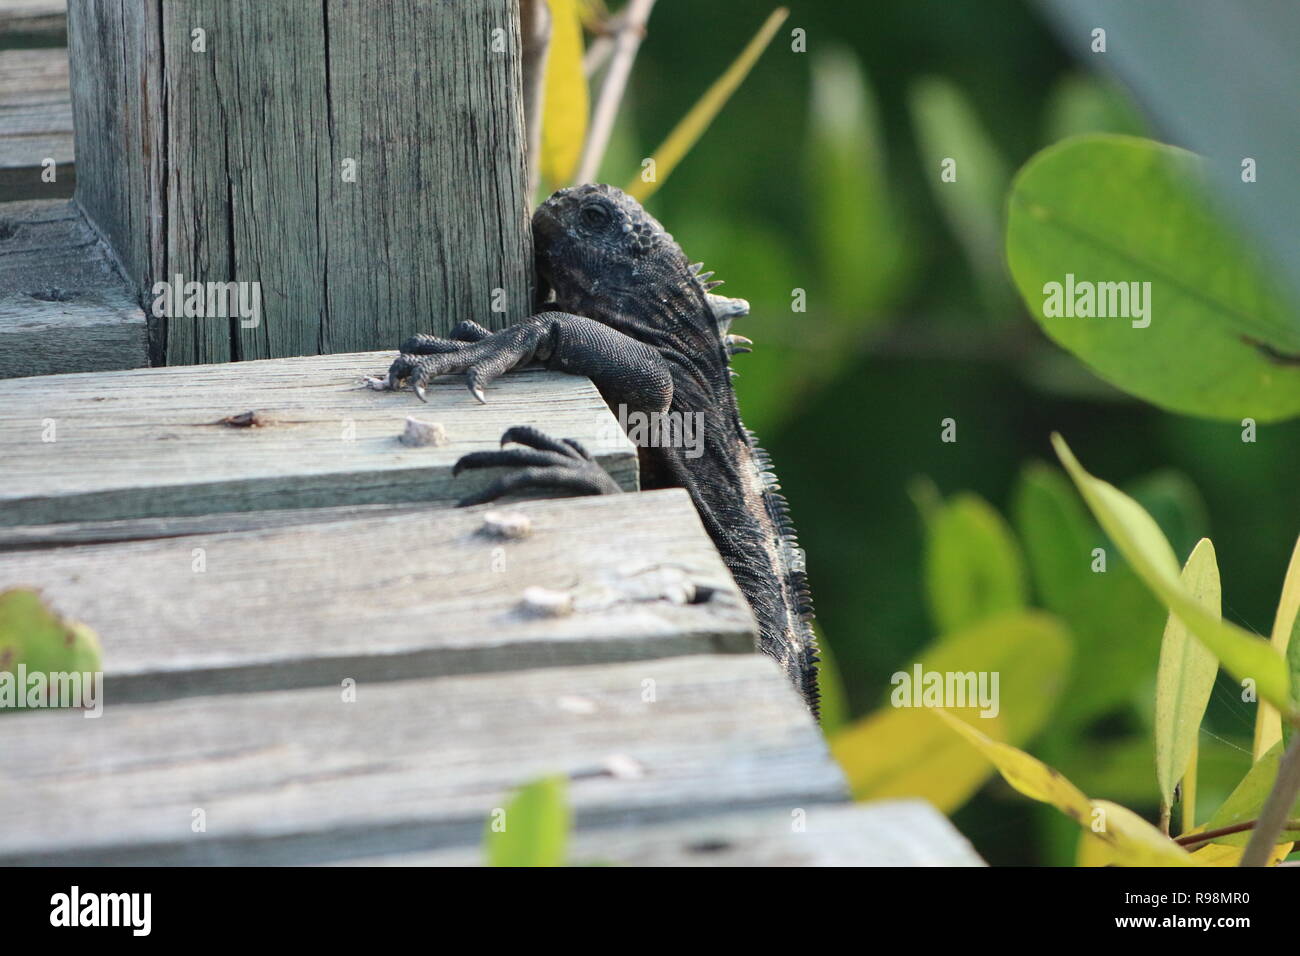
pixel 910 320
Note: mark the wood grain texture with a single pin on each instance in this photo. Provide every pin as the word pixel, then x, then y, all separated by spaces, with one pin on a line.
pixel 300 776
pixel 63 307
pixel 237 172
pixel 64 533
pixel 33 23
pixel 385 597
pixel 118 115
pixel 890 833
pixel 147 443
pixel 35 124
pixel 441 197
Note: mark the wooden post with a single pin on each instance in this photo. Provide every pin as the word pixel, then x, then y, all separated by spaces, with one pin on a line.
pixel 363 161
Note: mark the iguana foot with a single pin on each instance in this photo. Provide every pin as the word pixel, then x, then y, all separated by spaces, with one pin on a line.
pixel 414 350
pixel 545 463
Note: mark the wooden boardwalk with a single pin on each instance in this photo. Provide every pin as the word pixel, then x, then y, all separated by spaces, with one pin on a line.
pixel 35 124
pixel 305 645
pixel 230 634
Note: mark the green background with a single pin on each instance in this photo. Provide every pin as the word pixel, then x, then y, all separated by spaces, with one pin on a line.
pixel 848 396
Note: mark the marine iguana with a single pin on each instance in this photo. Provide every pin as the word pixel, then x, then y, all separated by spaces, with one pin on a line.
pixel 633 314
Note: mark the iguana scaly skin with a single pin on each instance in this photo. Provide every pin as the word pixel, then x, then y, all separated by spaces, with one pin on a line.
pixel 630 312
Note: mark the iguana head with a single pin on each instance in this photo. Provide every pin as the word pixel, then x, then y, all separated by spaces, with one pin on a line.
pixel 605 256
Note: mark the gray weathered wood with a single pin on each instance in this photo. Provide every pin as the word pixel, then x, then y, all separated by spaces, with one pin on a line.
pixel 147 443
pixel 890 833
pixel 63 308
pixel 35 124
pixel 228 164
pixel 395 596
pixel 63 533
pixel 117 109
pixel 33 22
pixel 301 776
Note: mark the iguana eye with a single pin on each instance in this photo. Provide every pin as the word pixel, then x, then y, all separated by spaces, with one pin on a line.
pixel 595 215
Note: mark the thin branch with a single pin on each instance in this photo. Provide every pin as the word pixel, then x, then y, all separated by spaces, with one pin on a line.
pixel 1272 818
pixel 1193 840
pixel 627 40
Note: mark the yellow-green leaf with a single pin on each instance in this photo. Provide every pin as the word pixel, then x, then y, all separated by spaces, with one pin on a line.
pixel 1268 722
pixel 565 104
pixel 1186 676
pixel 1132 840
pixel 533 829
pixel 1136 841
pixel 973 566
pixel 692 126
pixel 904 752
pixel 1141 541
pixel 1026 774
pixel 33 636
pixel 1217 854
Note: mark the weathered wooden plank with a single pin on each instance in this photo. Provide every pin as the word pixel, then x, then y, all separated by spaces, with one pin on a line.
pixel 396 596
pixel 302 776
pixel 65 533
pixel 890 833
pixel 371 189
pixel 148 443
pixel 117 111
pixel 63 307
pixel 33 22
pixel 35 124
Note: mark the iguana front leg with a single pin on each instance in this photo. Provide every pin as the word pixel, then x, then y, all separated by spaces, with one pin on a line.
pixel 626 371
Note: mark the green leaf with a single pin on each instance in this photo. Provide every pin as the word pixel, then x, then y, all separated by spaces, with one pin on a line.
pixel 1185 677
pixel 1140 540
pixel 973 567
pixel 692 126
pixel 1286 623
pixel 904 752
pixel 1247 800
pixel 859 252
pixel 1058 536
pixel 1116 209
pixel 1115 619
pixel 534 828
pixel 41 641
pixel 565 99
pixel 948 128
